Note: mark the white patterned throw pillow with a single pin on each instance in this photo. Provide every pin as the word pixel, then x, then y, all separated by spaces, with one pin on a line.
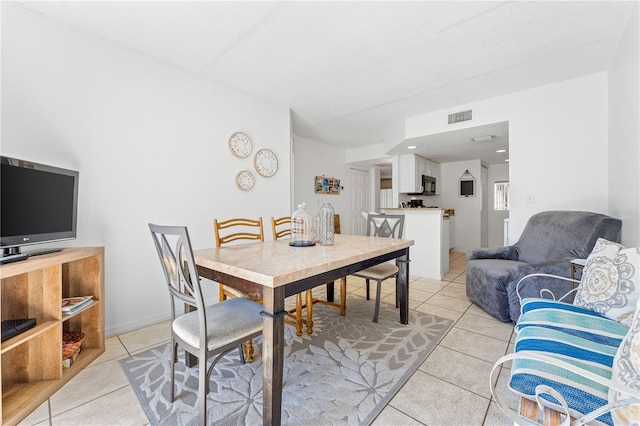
pixel 626 371
pixel 610 283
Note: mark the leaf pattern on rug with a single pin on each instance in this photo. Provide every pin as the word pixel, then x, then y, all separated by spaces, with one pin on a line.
pixel 343 374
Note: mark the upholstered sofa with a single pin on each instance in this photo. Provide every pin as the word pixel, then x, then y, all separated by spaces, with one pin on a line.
pixel 549 242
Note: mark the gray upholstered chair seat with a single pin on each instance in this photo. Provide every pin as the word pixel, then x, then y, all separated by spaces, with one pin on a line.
pixel 378 272
pixel 241 317
pixel 382 226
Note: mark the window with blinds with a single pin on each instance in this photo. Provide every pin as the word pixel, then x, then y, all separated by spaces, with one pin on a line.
pixel 501 196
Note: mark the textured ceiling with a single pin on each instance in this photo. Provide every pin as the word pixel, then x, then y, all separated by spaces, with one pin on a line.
pixel 353 71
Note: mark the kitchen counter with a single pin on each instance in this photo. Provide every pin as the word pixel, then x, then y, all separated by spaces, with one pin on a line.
pixel 415 208
pixel 447 212
pixel 426 226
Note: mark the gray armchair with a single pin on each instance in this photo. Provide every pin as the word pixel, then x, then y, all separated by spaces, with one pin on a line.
pixel 549 242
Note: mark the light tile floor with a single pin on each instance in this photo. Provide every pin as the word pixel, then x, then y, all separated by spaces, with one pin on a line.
pixel 451 387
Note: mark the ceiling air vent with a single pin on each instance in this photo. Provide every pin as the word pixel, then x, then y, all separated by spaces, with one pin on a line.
pixel 457 117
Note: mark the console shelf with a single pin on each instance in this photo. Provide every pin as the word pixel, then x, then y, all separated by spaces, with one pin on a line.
pixel 31 362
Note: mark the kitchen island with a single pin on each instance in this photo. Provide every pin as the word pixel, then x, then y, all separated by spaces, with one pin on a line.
pixel 429 229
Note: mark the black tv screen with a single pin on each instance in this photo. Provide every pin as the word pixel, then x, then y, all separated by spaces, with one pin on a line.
pixel 38 203
pixel 466 188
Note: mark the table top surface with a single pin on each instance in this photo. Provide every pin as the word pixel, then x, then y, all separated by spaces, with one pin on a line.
pixel 276 263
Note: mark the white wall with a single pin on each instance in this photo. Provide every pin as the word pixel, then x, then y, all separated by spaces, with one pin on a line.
pixel 366 153
pixel 624 133
pixel 497 173
pixel 149 140
pixel 557 145
pixel 311 159
pixel 374 185
pixel 467 209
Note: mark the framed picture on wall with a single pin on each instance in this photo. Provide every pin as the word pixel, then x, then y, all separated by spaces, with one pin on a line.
pixel 327 185
pixel 466 188
pixel 467 185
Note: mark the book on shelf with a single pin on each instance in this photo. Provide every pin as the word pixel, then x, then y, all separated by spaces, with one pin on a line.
pixel 72 304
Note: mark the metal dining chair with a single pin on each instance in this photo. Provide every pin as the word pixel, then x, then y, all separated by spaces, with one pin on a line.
pixel 210 330
pixel 388 226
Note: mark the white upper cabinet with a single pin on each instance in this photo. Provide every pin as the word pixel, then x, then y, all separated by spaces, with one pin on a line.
pixel 411 168
pixel 425 166
pixel 435 172
pixel 410 173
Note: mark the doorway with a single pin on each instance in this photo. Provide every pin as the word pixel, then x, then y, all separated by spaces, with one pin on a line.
pixel 359 203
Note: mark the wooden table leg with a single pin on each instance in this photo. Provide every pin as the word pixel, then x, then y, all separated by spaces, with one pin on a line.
pixel 272 355
pixel 309 295
pixel 403 286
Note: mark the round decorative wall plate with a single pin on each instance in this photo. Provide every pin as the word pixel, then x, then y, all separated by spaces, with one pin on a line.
pixel 245 180
pixel 240 144
pixel 265 163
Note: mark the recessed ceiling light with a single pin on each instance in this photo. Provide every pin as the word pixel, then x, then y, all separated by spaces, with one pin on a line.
pixel 483 138
pixel 507 160
pixel 411 147
pixel 501 150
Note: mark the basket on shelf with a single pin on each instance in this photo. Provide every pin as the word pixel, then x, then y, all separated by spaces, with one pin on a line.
pixel 71 344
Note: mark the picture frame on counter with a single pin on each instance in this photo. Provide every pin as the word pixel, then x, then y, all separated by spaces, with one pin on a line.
pixel 327 185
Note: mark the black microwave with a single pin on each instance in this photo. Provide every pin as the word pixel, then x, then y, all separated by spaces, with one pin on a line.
pixel 428 186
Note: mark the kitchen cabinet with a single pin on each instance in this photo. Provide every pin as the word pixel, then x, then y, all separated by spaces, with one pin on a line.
pixel 445 241
pixel 425 166
pixel 410 173
pixel 427 228
pixel 435 172
pixel 452 232
pixel 411 168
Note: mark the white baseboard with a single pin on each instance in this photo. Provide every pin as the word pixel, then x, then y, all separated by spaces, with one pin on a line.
pixel 116 329
pixel 134 325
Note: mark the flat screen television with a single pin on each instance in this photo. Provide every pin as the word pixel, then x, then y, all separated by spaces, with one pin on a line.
pixel 467 188
pixel 38 204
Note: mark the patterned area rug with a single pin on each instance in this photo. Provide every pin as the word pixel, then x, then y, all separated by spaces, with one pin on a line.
pixel 344 374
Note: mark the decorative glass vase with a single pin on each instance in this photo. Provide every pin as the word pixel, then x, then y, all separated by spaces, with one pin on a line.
pixel 316 227
pixel 302 227
pixel 325 225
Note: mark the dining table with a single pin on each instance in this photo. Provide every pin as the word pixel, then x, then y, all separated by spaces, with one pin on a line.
pixel 274 270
